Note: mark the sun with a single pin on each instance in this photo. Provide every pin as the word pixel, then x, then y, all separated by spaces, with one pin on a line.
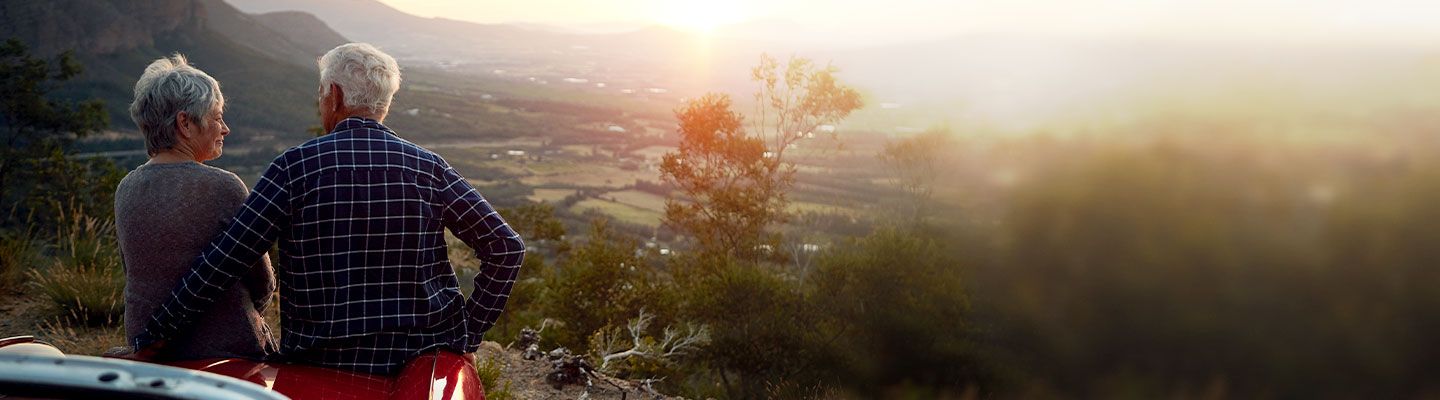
pixel 701 15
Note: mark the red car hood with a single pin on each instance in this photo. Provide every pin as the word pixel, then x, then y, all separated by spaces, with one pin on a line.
pixel 437 375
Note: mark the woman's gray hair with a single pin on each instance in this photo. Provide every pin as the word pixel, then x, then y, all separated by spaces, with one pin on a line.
pixel 169 86
pixel 368 76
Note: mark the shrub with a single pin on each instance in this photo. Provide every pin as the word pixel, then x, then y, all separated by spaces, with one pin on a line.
pixel 601 283
pixel 895 312
pixel 85 280
pixel 490 370
pixel 19 252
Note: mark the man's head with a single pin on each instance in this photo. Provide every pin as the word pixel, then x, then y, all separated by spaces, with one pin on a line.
pixel 177 106
pixel 356 79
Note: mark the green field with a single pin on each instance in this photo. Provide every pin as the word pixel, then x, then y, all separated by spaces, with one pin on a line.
pixel 638 199
pixel 620 211
pixel 550 195
pixel 802 206
pixel 598 176
pixel 654 153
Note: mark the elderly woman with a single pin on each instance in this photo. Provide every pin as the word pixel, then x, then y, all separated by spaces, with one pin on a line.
pixel 169 208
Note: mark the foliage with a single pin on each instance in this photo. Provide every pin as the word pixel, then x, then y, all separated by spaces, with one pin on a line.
pixel 1179 267
pixel 917 163
pixel 762 328
pixel 535 222
pixel 490 371
pixel 896 311
pixel 792 104
pixel 601 283
pixel 36 132
pixel 733 183
pixel 733 196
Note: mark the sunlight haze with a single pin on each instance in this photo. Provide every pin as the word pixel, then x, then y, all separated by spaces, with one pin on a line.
pixel 1271 20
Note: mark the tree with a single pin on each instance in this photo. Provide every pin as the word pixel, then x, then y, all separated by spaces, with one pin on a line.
pixel 916 164
pixel 723 172
pixel 793 104
pixel 37 131
pixel 733 182
pixel 535 222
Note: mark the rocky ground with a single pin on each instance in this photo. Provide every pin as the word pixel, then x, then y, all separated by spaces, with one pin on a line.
pixel 530 379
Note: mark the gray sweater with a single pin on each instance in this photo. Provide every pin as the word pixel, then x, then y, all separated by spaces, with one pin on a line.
pixel 165 215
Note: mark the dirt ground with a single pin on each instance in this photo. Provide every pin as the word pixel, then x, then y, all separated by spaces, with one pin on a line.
pixel 20 313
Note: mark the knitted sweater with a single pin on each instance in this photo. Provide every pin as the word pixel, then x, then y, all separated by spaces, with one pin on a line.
pixel 165 214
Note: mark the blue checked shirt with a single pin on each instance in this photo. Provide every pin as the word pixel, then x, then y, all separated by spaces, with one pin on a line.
pixel 365 280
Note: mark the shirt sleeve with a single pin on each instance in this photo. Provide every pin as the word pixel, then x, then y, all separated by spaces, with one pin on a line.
pixel 499 249
pixel 230 255
pixel 260 281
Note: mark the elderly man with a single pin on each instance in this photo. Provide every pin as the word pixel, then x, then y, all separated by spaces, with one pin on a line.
pixel 360 216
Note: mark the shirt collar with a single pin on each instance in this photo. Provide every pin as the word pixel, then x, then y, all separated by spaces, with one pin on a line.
pixel 357 123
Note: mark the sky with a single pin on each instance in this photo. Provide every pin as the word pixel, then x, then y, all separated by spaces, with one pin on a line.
pixel 1314 21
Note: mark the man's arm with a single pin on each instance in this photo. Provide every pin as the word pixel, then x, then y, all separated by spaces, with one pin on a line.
pixel 498 248
pixel 229 256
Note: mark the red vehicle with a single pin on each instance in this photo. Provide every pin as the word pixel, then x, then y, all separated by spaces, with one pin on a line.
pixel 32 369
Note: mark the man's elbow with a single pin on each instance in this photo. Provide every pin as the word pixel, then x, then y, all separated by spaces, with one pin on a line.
pixel 508 251
pixel 518 246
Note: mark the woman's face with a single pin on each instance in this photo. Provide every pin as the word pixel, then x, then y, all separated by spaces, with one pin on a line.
pixel 208 142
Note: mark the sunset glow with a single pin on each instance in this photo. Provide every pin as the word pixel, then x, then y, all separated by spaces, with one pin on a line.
pixel 701 15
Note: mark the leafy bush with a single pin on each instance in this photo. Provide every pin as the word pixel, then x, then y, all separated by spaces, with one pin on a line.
pixel 895 313
pixel 763 330
pixel 601 283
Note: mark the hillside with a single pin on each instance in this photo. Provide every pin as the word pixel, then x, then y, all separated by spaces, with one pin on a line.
pixel 95 27
pixel 268 83
pixel 310 33
pixel 301 43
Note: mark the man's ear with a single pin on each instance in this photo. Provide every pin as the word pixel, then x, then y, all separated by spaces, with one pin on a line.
pixel 337 99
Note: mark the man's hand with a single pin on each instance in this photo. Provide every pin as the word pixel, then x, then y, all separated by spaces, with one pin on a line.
pixel 145 354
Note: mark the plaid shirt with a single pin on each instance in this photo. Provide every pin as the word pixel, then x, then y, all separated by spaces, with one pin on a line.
pixel 365 280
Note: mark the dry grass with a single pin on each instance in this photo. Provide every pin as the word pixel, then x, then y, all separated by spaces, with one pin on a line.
pixel 19 252
pixel 85 280
pixel 73 339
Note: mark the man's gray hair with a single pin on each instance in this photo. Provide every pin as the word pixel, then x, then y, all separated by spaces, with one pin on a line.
pixel 168 86
pixel 368 76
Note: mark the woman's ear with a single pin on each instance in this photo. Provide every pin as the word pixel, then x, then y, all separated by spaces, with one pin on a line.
pixel 183 125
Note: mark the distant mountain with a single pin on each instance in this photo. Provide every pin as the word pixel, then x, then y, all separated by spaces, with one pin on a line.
pixel 303 38
pixel 95 27
pixel 308 32
pixel 406 35
pixel 268 76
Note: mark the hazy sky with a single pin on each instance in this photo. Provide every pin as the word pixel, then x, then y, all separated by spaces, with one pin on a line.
pixel 1320 21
